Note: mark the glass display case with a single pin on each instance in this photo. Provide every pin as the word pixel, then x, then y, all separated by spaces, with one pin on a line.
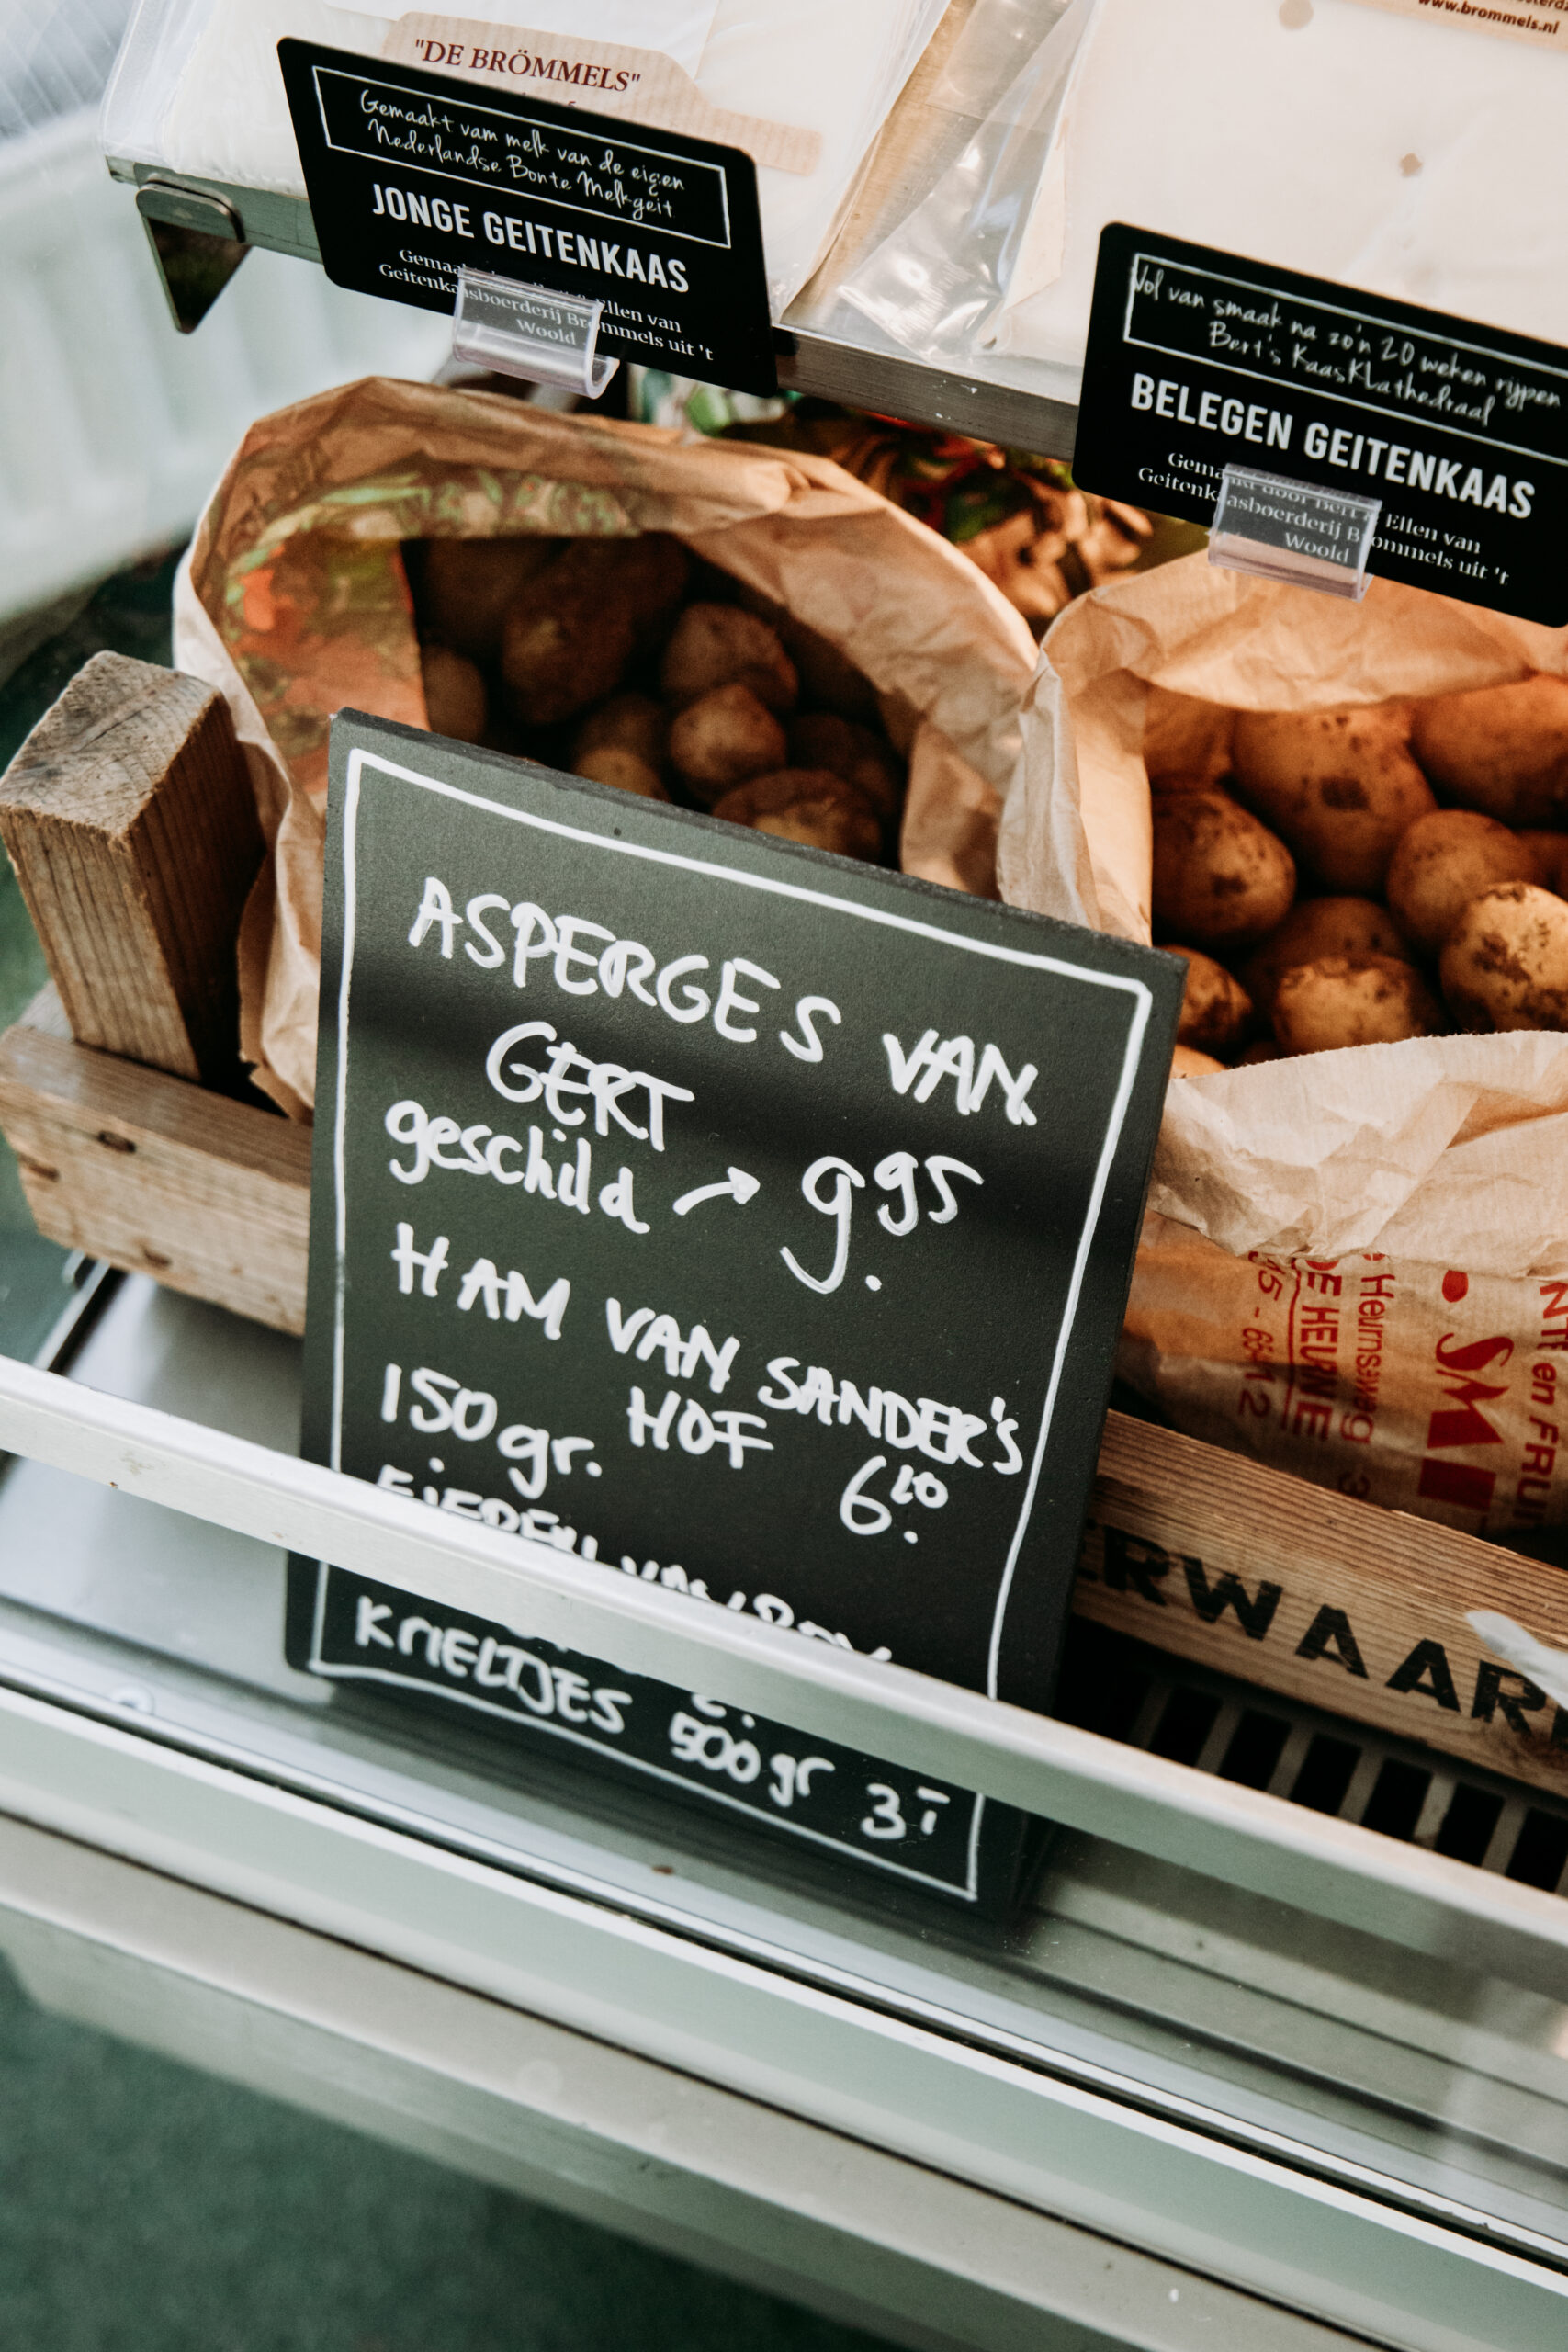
pixel 1264 2041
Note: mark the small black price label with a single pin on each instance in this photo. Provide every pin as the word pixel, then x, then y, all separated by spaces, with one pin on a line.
pixel 415 175
pixel 1198 359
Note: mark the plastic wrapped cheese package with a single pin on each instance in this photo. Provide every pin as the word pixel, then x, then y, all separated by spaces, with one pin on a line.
pixel 198 89
pixel 1411 155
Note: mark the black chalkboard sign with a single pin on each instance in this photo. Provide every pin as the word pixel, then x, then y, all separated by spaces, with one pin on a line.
pixel 414 176
pixel 729 1215
pixel 1199 360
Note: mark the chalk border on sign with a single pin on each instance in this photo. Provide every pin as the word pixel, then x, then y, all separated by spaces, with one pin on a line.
pixel 360 759
pixel 969 1890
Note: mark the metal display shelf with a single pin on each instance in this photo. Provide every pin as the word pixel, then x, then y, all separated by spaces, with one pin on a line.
pixel 195 226
pixel 1238 2074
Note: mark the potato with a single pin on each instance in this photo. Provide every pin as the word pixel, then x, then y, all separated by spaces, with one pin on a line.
pixel 632 723
pixel 454 693
pixel 829 679
pixel 1263 1049
pixel 1317 927
pixel 1215 1009
pixel 1505 964
pixel 462 588
pixel 1550 851
pixel 719 645
pixel 619 764
pixel 723 738
pixel 1340 785
pixel 1219 877
pixel 1352 1001
pixel 805 805
pixel 1186 743
pixel 1503 750
pixel 1445 860
pixel 569 637
pixel 1186 1061
pixel 821 740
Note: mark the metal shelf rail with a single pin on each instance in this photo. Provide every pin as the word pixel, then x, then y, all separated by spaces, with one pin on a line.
pixel 1354 2246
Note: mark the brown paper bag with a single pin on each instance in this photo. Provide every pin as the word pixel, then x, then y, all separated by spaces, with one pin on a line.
pixel 293 602
pixel 1355 1265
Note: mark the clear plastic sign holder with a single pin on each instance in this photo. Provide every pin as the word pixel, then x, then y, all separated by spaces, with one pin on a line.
pixel 525 330
pixel 1294 531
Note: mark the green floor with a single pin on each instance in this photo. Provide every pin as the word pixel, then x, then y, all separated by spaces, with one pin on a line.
pixel 146 2207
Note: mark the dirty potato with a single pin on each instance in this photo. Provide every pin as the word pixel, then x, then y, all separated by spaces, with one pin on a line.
pixel 1315 927
pixel 462 588
pixel 454 693
pixel 820 738
pixel 632 722
pixel 1219 877
pixel 569 637
pixel 1352 1001
pixel 1503 750
pixel 1443 860
pixel 721 645
pixel 1186 743
pixel 1215 1007
pixel 722 738
pixel 808 805
pixel 1505 963
pixel 1340 785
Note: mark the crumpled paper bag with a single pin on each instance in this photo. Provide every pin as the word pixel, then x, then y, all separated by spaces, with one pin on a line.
pixel 1355 1265
pixel 293 602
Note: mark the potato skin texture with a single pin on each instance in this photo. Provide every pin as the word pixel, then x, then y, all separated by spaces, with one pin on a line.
pixel 1315 927
pixel 620 765
pixel 1340 785
pixel 721 645
pixel 1352 1001
pixel 1503 750
pixel 820 738
pixel 632 723
pixel 1505 964
pixel 724 738
pixel 1216 1011
pixel 1220 878
pixel 1445 860
pixel 569 636
pixel 464 587
pixel 1189 1061
pixel 455 699
pixel 1187 743
pixel 806 805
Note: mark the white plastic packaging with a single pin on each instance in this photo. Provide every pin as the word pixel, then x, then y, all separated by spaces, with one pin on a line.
pixel 198 90
pixel 1415 156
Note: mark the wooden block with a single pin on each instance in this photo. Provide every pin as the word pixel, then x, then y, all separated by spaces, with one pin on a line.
pixel 130 819
pixel 210 1196
pixel 1358 1610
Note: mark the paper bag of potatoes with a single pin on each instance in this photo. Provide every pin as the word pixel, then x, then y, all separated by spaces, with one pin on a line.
pixel 1350 820
pixel 742 631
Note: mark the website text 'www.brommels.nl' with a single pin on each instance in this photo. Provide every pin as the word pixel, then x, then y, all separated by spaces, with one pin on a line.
pixel 1523 21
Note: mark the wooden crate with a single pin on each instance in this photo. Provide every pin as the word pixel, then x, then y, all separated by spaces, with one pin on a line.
pixel 132 797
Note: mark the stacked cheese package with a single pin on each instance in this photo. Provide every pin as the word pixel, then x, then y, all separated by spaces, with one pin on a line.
pixel 198 89
pixel 1414 154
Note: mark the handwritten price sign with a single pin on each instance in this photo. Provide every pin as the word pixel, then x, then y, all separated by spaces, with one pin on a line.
pixel 725 1214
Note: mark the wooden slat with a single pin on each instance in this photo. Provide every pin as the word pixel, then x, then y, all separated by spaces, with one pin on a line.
pixel 1173 1518
pixel 210 1196
pixel 129 817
